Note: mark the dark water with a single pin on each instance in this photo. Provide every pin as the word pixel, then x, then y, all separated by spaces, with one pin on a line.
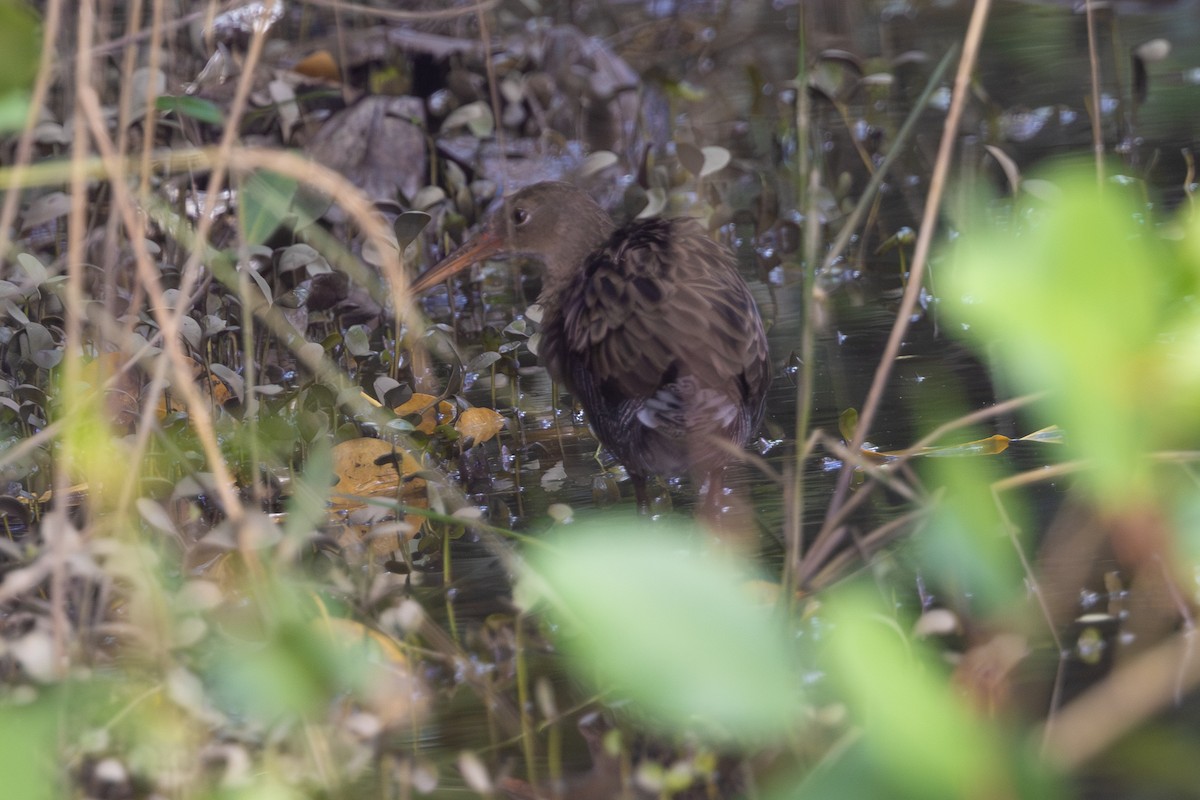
pixel 1031 100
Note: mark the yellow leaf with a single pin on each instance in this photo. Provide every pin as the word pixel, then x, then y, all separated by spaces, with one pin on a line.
pixel 368 468
pixel 375 468
pixel 993 445
pixel 210 385
pixel 320 64
pixel 480 424
pixel 424 404
pixel 847 422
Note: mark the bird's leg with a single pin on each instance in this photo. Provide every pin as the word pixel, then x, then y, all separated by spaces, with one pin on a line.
pixel 726 515
pixel 639 491
pixel 712 492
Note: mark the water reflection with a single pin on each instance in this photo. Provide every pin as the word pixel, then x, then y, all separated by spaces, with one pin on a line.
pixel 1030 101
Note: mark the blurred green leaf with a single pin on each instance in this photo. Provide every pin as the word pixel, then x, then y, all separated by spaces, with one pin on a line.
pixel 964 546
pixel 20 46
pixel 1081 299
pixel 307 507
pixel 919 738
pixel 28 741
pixel 14 109
pixel 646 612
pixel 268 200
pixel 195 107
pixel 295 668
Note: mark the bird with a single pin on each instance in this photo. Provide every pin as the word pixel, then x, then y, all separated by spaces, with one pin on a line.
pixel 650 326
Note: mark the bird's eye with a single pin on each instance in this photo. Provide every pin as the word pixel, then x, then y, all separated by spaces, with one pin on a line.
pixel 520 216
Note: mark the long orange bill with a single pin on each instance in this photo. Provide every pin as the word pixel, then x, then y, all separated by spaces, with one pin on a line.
pixel 476 249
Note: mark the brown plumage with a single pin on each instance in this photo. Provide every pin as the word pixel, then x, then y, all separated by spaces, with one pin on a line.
pixel 650 326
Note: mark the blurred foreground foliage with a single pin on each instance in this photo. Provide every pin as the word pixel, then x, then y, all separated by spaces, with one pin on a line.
pixel 317 681
pixel 164 648
pixel 1092 299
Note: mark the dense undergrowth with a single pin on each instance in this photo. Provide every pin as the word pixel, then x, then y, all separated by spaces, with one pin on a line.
pixel 274 528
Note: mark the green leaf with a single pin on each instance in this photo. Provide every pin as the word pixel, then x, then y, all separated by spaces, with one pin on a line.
pixel 264 203
pixel 20 47
pixel 306 508
pixel 295 670
pixel 188 106
pixel 648 612
pixel 14 110
pixel 919 737
pixel 482 361
pixel 476 117
pixel 409 225
pixel 964 545
pixel 1081 299
pixel 597 161
pixel 27 748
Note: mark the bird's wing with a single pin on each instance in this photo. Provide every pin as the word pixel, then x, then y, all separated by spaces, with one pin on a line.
pixel 662 315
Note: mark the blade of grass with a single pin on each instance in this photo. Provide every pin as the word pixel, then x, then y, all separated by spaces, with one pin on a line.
pixel 829 534
pixel 841 241
pixel 847 231
pixel 77 225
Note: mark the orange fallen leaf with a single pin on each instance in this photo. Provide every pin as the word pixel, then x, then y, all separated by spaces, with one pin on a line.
pixel 375 468
pixel 210 385
pixel 480 424
pixel 368 468
pixel 319 65
pixel 433 412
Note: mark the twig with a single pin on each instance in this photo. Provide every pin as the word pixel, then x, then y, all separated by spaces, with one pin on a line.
pixel 808 179
pixel 1094 64
pixel 970 419
pixel 56 530
pixel 157 26
pixel 168 322
pixel 408 16
pixel 825 543
pixel 937 187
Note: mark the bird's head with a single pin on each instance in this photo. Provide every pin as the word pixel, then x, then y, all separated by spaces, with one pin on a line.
pixel 552 221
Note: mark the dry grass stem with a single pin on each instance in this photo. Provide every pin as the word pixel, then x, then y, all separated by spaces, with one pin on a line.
pixel 937 186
